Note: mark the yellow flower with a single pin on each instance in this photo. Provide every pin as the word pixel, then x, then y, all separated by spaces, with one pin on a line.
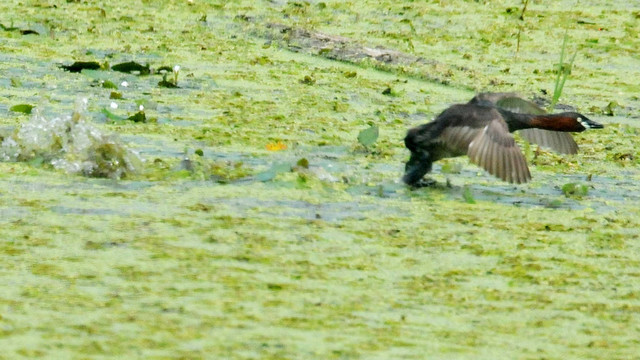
pixel 276 146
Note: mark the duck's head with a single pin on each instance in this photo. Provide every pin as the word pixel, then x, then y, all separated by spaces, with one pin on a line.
pixel 585 122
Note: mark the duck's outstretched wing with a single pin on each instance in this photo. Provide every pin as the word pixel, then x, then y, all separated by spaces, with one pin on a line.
pixel 561 142
pixel 494 98
pixel 495 150
pixel 516 104
pixel 458 138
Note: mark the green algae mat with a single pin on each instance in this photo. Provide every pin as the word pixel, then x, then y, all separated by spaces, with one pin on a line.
pixel 221 180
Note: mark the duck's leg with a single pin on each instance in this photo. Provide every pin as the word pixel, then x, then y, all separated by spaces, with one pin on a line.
pixel 418 165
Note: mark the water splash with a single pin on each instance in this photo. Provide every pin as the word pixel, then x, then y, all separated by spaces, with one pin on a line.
pixel 70 143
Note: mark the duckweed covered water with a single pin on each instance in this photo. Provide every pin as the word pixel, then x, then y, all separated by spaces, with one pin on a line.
pixel 221 248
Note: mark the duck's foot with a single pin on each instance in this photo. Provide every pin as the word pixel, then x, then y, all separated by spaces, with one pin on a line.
pixel 424 182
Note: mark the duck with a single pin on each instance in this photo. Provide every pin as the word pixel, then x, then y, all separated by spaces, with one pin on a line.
pixel 482 129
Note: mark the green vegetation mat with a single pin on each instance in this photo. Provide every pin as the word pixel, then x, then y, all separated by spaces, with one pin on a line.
pixel 257 225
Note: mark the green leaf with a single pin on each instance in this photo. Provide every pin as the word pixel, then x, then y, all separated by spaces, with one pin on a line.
pixel 138 117
pixel 109 85
pixel 468 196
pixel 304 163
pixel 110 115
pixel 609 110
pixel 22 108
pixel 451 168
pixel 368 137
pixel 575 190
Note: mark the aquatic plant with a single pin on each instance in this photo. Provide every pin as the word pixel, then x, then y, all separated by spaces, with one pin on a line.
pixel 521 26
pixel 69 143
pixel 575 190
pixel 563 71
pixel 368 136
pixel 170 83
pixel 467 195
pixel 132 67
pixel 22 108
pixel 194 165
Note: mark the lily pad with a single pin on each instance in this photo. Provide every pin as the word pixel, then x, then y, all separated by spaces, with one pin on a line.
pixel 78 66
pixel 131 67
pixel 22 31
pixel 368 137
pixel 164 68
pixel 278 168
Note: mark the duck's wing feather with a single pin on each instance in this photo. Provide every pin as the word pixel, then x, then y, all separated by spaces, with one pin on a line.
pixel 495 150
pixel 516 104
pixel 494 98
pixel 458 138
pixel 561 142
